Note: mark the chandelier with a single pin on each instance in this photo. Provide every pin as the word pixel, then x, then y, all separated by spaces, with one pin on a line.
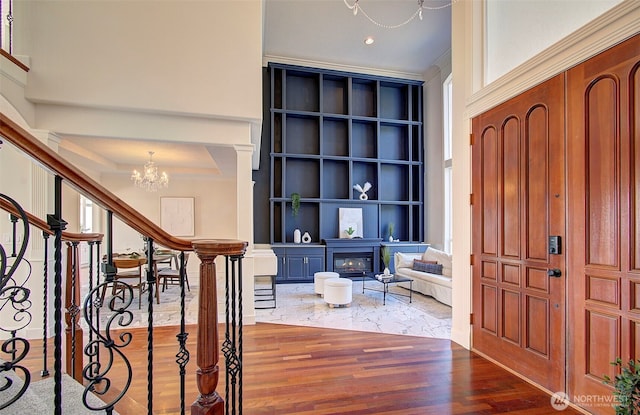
pixel 356 7
pixel 150 180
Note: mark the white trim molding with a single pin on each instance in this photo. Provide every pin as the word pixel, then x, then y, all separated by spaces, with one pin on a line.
pixel 339 67
pixel 611 28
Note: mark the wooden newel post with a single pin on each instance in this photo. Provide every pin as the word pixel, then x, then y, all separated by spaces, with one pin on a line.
pixel 209 402
pixel 73 330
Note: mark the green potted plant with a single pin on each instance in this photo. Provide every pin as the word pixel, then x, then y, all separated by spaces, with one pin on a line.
pixel 350 231
pixel 626 387
pixel 385 253
pixel 391 227
pixel 295 208
pixel 295 204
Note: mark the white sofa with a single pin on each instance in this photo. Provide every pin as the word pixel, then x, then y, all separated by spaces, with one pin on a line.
pixel 436 286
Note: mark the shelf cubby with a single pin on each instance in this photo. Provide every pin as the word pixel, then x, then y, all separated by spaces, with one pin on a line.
pixel 276 133
pixel 329 217
pixel 394 182
pixel 306 221
pixel 302 176
pixel 302 91
pixel 416 143
pixel 416 103
pixel 276 174
pixel 335 179
pixel 276 217
pixel 417 222
pixel 277 88
pixel 364 97
pixel 365 172
pixel 394 142
pixel 416 183
pixel 335 137
pixel 399 216
pixel 394 101
pixel 363 139
pixel 334 94
pixel 303 135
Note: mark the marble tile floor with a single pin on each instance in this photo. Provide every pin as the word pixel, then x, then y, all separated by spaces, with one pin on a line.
pixel 297 304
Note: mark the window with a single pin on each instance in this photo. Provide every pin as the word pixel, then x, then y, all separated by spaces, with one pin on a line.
pixel 447 91
pixel 86 215
pixel 6 25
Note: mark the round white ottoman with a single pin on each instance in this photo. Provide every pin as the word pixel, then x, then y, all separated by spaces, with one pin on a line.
pixel 318 280
pixel 338 291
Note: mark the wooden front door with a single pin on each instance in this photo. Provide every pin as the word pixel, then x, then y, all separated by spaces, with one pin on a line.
pixel 518 203
pixel 603 172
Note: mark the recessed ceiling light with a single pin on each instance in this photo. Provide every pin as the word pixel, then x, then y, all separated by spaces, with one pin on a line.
pixel 368 40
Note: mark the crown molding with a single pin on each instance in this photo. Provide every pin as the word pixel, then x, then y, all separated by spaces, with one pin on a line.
pixel 339 67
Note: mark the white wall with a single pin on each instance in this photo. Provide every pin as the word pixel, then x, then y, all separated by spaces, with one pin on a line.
pixel 215 210
pixel 518 30
pixel 434 151
pixel 140 55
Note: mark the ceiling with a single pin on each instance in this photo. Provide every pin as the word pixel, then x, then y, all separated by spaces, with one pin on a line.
pixel 322 33
pixel 326 31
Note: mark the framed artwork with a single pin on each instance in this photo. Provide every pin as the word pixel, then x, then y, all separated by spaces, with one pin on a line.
pixel 177 215
pixel 350 222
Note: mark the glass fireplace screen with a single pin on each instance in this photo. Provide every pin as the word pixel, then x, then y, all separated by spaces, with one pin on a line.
pixel 352 263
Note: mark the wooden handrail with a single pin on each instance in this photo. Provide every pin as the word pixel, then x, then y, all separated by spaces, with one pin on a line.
pixel 31 146
pixel 43 226
pixel 14 60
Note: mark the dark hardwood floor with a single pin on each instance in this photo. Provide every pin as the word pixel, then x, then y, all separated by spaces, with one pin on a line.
pixel 304 370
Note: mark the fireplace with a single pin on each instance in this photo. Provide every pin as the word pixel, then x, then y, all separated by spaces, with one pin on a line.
pixel 353 264
pixel 352 257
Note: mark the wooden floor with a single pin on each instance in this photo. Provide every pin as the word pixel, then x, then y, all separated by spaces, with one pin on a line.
pixel 304 370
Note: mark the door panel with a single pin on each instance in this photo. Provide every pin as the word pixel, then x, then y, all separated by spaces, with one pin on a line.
pixel 603 97
pixel 316 264
pixel 488 145
pixel 295 267
pixel 518 187
pixel 510 188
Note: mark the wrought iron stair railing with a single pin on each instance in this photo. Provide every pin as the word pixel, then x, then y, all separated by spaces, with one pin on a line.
pixel 90 363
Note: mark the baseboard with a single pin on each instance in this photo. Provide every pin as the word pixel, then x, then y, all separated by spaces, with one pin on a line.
pixel 530 382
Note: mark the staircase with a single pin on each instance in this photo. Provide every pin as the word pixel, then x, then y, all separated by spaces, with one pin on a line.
pixel 87 367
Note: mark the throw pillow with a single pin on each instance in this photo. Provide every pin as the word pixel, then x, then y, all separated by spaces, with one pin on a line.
pixel 426 266
pixel 422 261
pixel 405 260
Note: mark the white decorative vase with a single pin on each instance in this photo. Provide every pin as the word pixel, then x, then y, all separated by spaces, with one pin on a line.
pixel 386 271
pixel 297 238
pixel 390 238
pixel 306 238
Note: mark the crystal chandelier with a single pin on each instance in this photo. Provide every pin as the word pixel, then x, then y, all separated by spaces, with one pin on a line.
pixel 356 7
pixel 150 180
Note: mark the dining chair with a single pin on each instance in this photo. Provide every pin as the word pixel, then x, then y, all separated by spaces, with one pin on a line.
pixel 170 276
pixel 164 258
pixel 129 271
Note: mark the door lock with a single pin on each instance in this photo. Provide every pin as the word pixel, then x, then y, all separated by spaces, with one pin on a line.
pixel 555 245
pixel 555 273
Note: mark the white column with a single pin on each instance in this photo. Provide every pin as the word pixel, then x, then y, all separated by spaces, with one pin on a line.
pixel 244 226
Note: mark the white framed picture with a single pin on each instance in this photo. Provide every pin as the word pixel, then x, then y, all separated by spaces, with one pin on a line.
pixel 350 222
pixel 177 215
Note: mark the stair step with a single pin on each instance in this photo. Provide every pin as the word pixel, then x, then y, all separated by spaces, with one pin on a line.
pixel 39 397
